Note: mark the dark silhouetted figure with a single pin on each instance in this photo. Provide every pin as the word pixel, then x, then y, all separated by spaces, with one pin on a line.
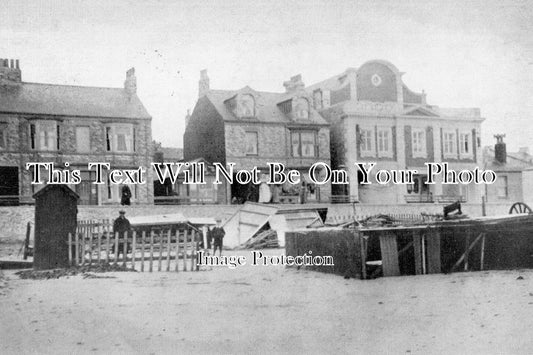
pixel 218 234
pixel 122 226
pixel 125 199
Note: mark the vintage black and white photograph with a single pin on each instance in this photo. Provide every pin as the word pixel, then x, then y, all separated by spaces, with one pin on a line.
pixel 266 177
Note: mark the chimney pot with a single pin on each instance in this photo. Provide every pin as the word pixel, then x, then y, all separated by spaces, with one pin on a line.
pixel 500 149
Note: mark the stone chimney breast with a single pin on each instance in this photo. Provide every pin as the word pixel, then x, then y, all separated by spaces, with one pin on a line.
pixel 130 84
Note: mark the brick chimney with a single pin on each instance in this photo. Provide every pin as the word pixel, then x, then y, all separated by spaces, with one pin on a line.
pixel 203 83
pixel 295 84
pixel 9 72
pixel 130 84
pixel 500 149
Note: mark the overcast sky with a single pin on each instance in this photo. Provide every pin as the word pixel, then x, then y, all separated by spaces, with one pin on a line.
pixel 462 53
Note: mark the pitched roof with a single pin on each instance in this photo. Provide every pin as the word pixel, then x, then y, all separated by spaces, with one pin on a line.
pixel 516 161
pixel 65 100
pixel 266 105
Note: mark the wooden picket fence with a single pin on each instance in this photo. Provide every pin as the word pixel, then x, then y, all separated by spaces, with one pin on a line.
pixel 170 248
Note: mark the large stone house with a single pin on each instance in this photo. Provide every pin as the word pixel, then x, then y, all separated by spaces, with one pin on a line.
pixel 375 117
pixel 251 128
pixel 75 125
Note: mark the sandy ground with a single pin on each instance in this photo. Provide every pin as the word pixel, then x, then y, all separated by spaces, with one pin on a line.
pixel 267 309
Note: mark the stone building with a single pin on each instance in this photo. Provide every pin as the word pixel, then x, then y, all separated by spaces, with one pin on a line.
pixel 514 171
pixel 375 117
pixel 75 125
pixel 250 128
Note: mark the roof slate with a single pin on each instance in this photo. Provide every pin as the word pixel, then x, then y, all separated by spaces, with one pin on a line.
pixel 65 100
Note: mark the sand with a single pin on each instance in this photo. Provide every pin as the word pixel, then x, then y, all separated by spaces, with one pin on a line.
pixel 268 309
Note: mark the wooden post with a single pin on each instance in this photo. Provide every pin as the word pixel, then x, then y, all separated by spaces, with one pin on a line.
pixel 193 239
pixel 116 248
pixel 168 248
pixel 143 235
pixel 82 251
pixel 159 260
pixel 423 250
pixel 467 250
pixel 362 246
pixel 133 246
pixel 99 236
pixel 107 244
pixel 389 254
pixel 177 249
pixel 417 241
pixel 186 236
pixel 482 257
pixel 27 241
pixel 433 253
pixel 77 235
pixel 125 248
pixel 151 264
pixel 196 256
pixel 70 249
pixel 90 232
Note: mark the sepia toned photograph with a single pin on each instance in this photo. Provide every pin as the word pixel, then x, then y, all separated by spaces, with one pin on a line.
pixel 266 177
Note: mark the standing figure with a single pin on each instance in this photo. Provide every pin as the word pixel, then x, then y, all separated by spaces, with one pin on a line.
pixel 125 196
pixel 218 234
pixel 122 226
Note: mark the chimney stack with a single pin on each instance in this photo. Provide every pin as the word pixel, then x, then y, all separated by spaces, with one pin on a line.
pixel 295 84
pixel 130 84
pixel 10 72
pixel 500 149
pixel 203 84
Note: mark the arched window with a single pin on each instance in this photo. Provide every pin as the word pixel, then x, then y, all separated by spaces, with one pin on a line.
pixel 302 108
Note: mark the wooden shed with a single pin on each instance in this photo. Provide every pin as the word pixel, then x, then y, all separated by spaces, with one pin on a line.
pixel 56 209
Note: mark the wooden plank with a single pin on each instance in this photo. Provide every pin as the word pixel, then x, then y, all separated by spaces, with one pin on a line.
pixel 70 249
pixel 90 232
pixel 168 249
pixel 193 238
pixel 423 250
pixel 133 246
pixel 116 249
pixel 99 242
pixel 151 263
pixel 125 248
pixel 362 242
pixel 185 241
pixel 160 259
pixel 470 247
pixel 389 254
pixel 77 248
pixel 82 251
pixel 417 246
pixel 107 244
pixel 467 250
pixel 482 257
pixel 433 252
pixel 177 249
pixel 143 236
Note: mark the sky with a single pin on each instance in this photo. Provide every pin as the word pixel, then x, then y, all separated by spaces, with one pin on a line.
pixel 462 53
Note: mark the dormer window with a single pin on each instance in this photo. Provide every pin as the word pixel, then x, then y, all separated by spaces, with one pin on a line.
pixel 302 109
pixel 245 106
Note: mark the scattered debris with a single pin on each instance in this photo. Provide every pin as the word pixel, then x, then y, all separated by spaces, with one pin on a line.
pixel 265 239
pixel 84 270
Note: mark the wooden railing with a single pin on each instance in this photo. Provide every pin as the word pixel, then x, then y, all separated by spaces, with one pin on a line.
pixel 154 249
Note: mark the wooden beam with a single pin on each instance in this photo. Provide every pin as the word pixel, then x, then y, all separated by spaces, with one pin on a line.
pixel 433 252
pixel 389 254
pixel 417 246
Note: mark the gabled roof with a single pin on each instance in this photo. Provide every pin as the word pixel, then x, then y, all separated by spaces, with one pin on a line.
pixel 65 100
pixel 62 187
pixel 419 110
pixel 266 106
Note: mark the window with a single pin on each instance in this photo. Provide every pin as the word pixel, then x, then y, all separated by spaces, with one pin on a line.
pixel 385 142
pixel 245 106
pixel 3 135
pixel 303 144
pixel 501 186
pixel 302 108
pixel 465 145
pixel 83 141
pixel 44 135
pixel 120 138
pixel 367 142
pixel 449 145
pixel 418 143
pixel 251 143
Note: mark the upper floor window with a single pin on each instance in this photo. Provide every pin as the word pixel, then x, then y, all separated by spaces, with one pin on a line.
pixel 367 142
pixel 418 142
pixel 303 144
pixel 44 135
pixel 120 138
pixel 302 108
pixel 501 187
pixel 83 139
pixel 251 143
pixel 385 142
pixel 465 145
pixel 3 135
pixel 245 106
pixel 449 144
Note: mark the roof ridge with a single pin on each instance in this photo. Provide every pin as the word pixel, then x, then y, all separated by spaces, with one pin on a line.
pixel 78 86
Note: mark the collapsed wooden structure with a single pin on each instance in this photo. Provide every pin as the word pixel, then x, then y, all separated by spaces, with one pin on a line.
pixel 501 242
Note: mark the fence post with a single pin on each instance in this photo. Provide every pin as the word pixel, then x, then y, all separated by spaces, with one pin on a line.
pixel 168 249
pixel 116 249
pixel 125 248
pixel 143 235
pixel 133 245
pixel 70 249
pixel 177 249
pixel 150 268
pixel 159 260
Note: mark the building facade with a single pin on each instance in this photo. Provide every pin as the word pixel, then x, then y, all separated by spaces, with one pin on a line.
pixel 71 125
pixel 251 128
pixel 375 117
pixel 514 171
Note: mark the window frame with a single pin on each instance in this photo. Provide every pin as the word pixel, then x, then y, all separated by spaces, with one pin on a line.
pixel 446 151
pixel 78 128
pixel 419 143
pixel 256 135
pixel 37 134
pixel 299 148
pixel 366 139
pixel 388 153
pixel 470 152
pixel 111 137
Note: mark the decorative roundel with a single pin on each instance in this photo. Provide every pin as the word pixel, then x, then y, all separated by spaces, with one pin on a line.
pixel 376 80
